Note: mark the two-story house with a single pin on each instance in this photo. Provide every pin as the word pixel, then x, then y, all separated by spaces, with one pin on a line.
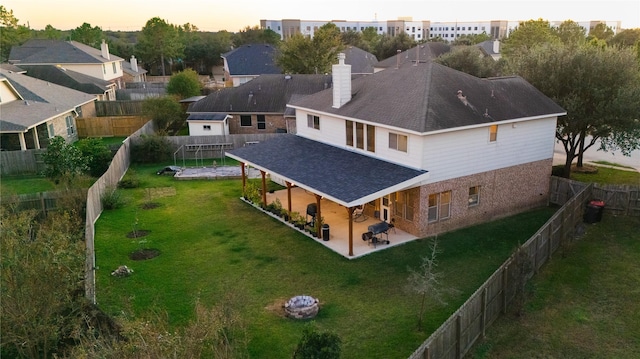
pixel 32 111
pixel 431 149
pixel 73 57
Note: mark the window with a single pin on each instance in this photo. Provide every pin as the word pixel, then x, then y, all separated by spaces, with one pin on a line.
pixel 474 196
pixel 245 120
pixel 398 142
pixel 493 133
pixel 52 131
pixel 439 206
pixel 371 138
pixel 206 127
pixel 403 207
pixel 262 124
pixel 69 122
pixel 349 131
pixel 79 111
pixel 313 122
pixel 113 64
pixel 104 69
pixel 360 135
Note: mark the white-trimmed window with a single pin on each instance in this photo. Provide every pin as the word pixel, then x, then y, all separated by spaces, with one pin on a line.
pixel 397 142
pixel 113 64
pixel 493 133
pixel 51 130
pixel 262 122
pixel 313 121
pixel 403 206
pixel 474 196
pixel 69 122
pixel 104 69
pixel 439 206
pixel 206 127
pixel 360 135
pixel 245 120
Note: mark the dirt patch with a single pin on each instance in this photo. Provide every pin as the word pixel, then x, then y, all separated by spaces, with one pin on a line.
pixel 584 169
pixel 144 254
pixel 150 205
pixel 138 233
pixel 277 307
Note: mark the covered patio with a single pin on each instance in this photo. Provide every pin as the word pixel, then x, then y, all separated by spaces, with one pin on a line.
pixel 336 180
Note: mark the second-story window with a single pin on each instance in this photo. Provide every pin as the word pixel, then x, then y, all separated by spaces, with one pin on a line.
pixel 104 69
pixel 398 142
pixel 313 122
pixel 493 133
pixel 114 67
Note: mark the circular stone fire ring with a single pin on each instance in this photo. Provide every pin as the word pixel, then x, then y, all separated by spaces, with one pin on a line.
pixel 301 307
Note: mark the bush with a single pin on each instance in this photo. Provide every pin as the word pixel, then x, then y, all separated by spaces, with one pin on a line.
pixel 97 154
pixel 151 149
pixel 111 199
pixel 130 180
pixel 317 345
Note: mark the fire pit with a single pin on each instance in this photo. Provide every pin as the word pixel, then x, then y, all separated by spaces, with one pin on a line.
pixel 301 307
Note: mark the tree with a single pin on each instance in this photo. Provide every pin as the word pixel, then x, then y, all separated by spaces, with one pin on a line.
pixel 469 59
pixel 255 35
pixel 97 155
pixel 184 84
pixel 371 37
pixel 471 39
pixel 165 111
pixel 302 55
pixel 11 34
pixel 87 35
pixel 597 86
pixel 427 281
pixel 389 45
pixel 62 160
pixel 315 345
pixel 159 41
pixel 626 38
pixel 571 33
pixel 41 272
pixel 354 38
pixel 527 35
pixel 51 33
pixel 601 32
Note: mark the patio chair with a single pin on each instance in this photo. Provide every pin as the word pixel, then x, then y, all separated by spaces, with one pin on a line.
pixel 358 214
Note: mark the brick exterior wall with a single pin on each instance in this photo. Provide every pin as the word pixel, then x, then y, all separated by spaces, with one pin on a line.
pixel 503 192
pixel 273 122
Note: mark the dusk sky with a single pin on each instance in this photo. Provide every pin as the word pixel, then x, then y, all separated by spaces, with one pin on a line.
pixel 234 15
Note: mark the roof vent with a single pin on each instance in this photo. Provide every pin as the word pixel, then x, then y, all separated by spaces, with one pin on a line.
pixel 287 77
pixel 462 98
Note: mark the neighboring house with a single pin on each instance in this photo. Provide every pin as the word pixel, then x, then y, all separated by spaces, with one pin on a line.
pixel 33 111
pixel 362 62
pixel 418 54
pixel 431 149
pixel 258 106
pixel 73 56
pixel 491 48
pixel 247 62
pixel 131 72
pixel 103 90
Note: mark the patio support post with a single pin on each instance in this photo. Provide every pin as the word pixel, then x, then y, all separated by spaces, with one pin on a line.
pixel 350 215
pixel 264 188
pixel 319 216
pixel 244 179
pixel 23 142
pixel 36 140
pixel 288 196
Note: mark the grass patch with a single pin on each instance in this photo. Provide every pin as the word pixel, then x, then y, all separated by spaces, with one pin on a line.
pixel 609 176
pixel 584 305
pixel 26 184
pixel 607 163
pixel 213 244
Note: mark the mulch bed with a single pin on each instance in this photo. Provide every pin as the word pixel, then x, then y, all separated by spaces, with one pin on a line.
pixel 150 205
pixel 137 234
pixel 144 254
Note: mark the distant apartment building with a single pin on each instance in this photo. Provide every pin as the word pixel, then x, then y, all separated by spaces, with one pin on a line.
pixel 418 30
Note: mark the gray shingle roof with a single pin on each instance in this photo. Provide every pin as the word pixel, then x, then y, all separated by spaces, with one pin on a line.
pixel 43 51
pixel 423 52
pixel 68 78
pixel 264 94
pixel 253 59
pixel 424 98
pixel 362 62
pixel 346 177
pixel 41 101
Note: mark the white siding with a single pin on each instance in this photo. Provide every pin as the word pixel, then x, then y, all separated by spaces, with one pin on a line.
pixel 96 70
pixel 196 128
pixel 6 94
pixel 461 153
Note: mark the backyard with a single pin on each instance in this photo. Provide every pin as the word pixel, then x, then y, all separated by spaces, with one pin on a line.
pixel 213 246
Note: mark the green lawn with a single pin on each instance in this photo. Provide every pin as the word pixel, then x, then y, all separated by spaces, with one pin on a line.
pixel 213 245
pixel 609 176
pixel 25 184
pixel 585 305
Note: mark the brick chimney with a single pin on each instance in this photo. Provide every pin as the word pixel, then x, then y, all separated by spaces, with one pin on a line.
pixel 134 64
pixel 341 74
pixel 104 50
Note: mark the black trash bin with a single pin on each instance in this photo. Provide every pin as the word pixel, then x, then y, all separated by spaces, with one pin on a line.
pixel 325 232
pixel 593 212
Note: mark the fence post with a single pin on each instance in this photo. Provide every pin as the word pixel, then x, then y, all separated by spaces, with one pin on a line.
pixel 459 336
pixel 426 354
pixel 483 322
pixel 504 289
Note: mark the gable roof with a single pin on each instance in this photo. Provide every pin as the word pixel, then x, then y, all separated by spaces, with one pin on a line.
pixel 265 94
pixel 424 98
pixel 423 52
pixel 44 51
pixel 40 102
pixel 68 78
pixel 362 62
pixel 348 182
pixel 252 59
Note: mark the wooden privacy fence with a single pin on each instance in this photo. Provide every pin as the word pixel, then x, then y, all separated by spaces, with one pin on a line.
pixel 619 199
pixel 458 334
pixel 107 182
pixel 199 147
pixel 21 162
pixel 43 202
pixel 119 108
pixel 110 126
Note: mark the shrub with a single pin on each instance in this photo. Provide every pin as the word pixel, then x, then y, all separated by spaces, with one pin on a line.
pixel 111 199
pixel 130 180
pixel 97 154
pixel 317 345
pixel 151 149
